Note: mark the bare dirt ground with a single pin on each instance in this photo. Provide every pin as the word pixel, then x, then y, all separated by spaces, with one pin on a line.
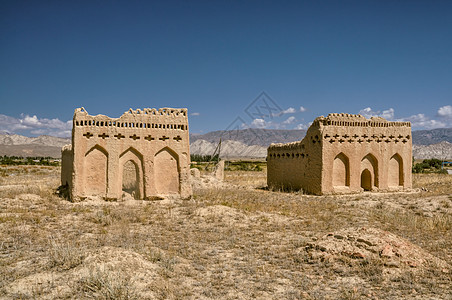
pixel 231 241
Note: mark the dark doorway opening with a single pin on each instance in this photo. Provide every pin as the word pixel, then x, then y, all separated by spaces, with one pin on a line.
pixel 366 180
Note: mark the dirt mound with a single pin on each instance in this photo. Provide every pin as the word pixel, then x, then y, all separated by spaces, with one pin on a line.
pixel 107 273
pixel 206 181
pixel 373 243
pixel 221 213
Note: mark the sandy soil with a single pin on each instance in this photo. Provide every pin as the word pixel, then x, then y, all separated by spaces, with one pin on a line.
pixel 233 240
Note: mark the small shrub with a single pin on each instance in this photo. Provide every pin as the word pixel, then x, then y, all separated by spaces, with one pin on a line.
pixel 102 284
pixel 65 255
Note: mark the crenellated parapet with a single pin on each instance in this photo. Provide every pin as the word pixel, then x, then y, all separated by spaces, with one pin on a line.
pixel 351 120
pixel 163 118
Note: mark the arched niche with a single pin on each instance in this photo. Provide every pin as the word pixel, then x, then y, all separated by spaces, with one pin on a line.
pixel 341 170
pixel 131 179
pixel 95 171
pixel 395 171
pixel 166 172
pixel 370 163
pixel 131 173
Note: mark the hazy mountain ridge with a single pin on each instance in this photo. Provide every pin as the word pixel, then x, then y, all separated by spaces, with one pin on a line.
pixel 43 145
pixel 229 149
pixel 235 143
pixel 441 150
pixel 432 136
pixel 435 143
pixel 45 140
pixel 251 136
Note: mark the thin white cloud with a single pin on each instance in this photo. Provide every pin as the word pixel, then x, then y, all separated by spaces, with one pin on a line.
pixel 259 123
pixel 302 109
pixel 290 110
pixel 301 126
pixel 418 121
pixel 195 114
pixel 422 121
pixel 27 124
pixel 289 120
pixel 369 113
pixel 445 112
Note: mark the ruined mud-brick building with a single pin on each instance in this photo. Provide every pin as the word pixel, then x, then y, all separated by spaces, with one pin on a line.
pixel 344 153
pixel 144 153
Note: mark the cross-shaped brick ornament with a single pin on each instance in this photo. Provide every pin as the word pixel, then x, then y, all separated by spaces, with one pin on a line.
pixel 88 135
pixel 177 138
pixel 163 138
pixel 134 137
pixel 103 135
pixel 119 136
pixel 149 138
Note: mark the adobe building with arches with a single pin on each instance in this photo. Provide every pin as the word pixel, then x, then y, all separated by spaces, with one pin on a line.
pixel 344 153
pixel 143 152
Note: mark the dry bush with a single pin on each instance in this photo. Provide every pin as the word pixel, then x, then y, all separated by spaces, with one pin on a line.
pixel 105 284
pixel 64 255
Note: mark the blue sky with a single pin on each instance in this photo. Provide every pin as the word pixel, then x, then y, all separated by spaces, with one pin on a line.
pixel 311 58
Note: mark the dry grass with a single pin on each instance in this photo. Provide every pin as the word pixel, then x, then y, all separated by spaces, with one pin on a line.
pixel 102 284
pixel 435 184
pixel 241 242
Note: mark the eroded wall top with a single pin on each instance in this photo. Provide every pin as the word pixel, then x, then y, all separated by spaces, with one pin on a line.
pixel 342 119
pixel 161 115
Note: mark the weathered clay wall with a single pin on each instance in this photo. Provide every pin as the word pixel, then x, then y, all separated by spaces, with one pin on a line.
pixel 352 144
pixel 66 165
pixel 154 142
pixel 347 153
pixel 296 165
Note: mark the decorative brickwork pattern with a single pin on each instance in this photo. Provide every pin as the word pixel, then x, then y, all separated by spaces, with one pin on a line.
pixel 344 153
pixel 150 147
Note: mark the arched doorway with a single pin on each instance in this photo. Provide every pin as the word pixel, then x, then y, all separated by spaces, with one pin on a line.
pixel 395 171
pixel 166 171
pixel 95 170
pixel 341 170
pixel 369 163
pixel 366 180
pixel 130 179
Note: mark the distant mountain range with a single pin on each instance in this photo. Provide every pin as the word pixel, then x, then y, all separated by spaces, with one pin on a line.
pixel 433 136
pixel 264 137
pixel 43 145
pixel 261 137
pixel 441 150
pixel 247 143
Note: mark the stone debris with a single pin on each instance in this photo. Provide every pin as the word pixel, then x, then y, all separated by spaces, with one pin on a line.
pixel 194 172
pixel 219 170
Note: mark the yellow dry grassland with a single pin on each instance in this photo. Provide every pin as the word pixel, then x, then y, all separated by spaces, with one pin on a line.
pixel 233 240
